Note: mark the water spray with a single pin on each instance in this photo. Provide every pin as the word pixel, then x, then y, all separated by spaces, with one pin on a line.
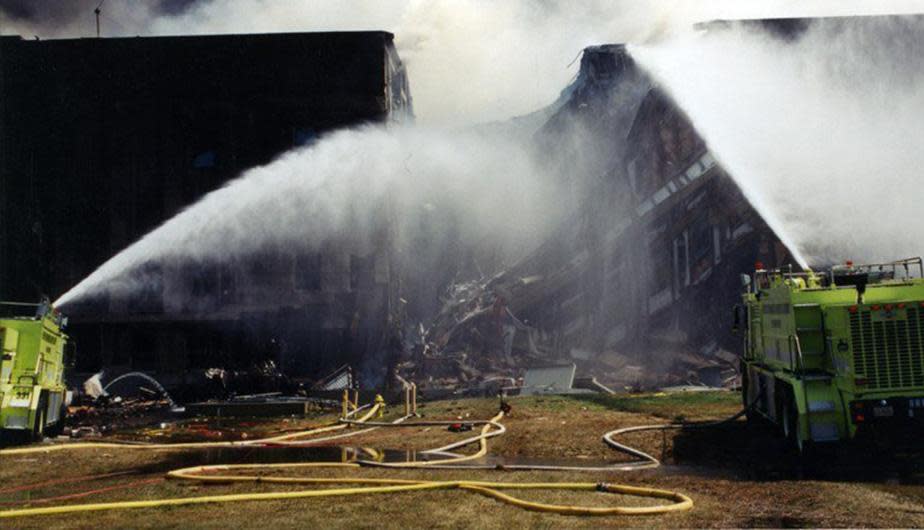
pixel 817 129
pixel 337 190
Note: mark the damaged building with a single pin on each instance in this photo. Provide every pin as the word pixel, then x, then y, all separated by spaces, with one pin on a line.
pixel 637 287
pixel 104 139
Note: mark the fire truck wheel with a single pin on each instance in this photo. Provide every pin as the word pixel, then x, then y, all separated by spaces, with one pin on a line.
pixel 38 430
pixel 58 427
pixel 748 415
pixel 791 430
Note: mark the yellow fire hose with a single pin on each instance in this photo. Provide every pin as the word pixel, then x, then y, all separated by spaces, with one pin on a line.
pixel 489 489
pixel 679 502
pixel 482 440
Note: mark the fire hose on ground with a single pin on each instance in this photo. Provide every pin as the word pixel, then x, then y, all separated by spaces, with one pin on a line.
pixel 365 486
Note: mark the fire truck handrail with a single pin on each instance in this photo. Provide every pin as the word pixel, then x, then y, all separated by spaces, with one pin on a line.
pixel 794 341
pixel 893 264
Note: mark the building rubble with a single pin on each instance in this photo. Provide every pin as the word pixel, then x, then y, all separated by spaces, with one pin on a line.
pixel 636 285
pixel 478 345
pixel 90 419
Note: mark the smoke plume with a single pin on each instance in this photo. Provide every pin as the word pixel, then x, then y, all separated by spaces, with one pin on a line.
pixel 819 130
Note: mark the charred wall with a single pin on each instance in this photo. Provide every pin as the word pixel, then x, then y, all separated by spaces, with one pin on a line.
pixel 647 269
pixel 104 139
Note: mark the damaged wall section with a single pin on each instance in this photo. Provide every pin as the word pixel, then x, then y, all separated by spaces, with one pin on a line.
pixel 637 286
pixel 104 139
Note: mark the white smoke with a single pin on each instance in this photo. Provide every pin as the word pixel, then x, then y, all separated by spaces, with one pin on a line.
pixel 337 190
pixel 822 133
pixel 469 60
pixel 805 140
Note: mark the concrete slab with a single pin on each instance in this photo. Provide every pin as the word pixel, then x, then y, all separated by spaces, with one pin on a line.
pixel 553 379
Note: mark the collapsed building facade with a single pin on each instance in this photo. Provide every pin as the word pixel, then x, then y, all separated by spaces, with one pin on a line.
pixel 638 286
pixel 101 140
pixel 635 287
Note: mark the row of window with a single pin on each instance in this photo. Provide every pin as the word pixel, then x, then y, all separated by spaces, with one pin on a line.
pixel 220 283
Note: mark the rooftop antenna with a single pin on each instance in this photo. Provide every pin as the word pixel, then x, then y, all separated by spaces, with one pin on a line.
pixel 96 12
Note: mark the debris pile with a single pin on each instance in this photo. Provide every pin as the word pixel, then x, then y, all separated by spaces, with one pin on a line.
pixel 474 342
pixel 94 417
pixel 477 345
pixel 339 379
pixel 129 401
pixel 261 378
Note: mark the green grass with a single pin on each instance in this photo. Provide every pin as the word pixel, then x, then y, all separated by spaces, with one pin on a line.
pixel 672 406
pixel 688 405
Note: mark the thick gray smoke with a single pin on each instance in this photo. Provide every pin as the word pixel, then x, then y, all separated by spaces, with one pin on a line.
pixel 822 132
pixel 341 189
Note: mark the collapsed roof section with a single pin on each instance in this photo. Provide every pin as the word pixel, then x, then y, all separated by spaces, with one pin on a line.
pixel 637 285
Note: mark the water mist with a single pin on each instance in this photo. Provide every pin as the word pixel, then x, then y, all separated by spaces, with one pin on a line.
pixel 821 131
pixel 332 191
